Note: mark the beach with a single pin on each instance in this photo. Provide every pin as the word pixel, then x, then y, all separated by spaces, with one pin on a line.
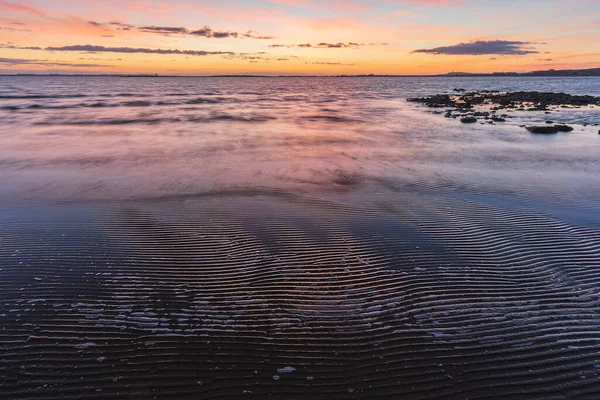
pixel 295 238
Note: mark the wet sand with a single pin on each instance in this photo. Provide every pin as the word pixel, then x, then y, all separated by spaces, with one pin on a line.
pixel 309 238
pixel 424 293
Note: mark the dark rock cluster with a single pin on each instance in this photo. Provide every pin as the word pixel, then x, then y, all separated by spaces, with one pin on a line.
pixel 549 129
pixel 564 128
pixel 527 101
pixel 461 105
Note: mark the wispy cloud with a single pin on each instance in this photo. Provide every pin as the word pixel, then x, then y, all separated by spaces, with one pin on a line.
pixel 349 45
pixel 102 49
pixel 122 26
pixel 206 31
pixel 330 63
pixel 20 8
pixel 483 47
pixel 17 47
pixel 9 28
pixel 47 63
pixel 167 30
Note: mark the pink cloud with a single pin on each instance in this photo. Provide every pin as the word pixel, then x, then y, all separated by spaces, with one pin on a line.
pixel 351 6
pixel 5 5
pixel 424 2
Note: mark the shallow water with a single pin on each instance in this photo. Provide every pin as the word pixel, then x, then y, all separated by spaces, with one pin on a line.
pixel 100 137
pixel 294 237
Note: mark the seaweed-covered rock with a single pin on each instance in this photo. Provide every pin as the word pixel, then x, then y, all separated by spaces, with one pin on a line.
pixel 535 101
pixel 564 128
pixel 542 129
pixel 440 100
pixel 468 120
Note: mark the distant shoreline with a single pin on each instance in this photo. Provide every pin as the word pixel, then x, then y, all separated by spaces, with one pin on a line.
pixel 594 72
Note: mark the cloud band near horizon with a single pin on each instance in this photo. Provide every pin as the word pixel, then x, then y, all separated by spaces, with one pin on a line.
pixel 483 47
pixel 130 50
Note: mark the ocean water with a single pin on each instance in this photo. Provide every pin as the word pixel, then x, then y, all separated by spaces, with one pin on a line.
pixel 102 137
pixel 315 238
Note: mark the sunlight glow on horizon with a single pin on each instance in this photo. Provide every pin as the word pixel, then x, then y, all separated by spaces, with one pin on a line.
pixel 297 37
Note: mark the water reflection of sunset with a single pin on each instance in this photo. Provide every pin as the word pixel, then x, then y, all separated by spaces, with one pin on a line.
pixel 189 135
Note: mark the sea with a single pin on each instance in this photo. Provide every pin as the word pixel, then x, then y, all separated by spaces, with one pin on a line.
pixel 295 237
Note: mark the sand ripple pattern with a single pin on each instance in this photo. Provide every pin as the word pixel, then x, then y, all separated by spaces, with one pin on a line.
pixel 271 294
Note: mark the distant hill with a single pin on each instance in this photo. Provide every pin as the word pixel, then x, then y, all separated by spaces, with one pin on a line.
pixel 549 72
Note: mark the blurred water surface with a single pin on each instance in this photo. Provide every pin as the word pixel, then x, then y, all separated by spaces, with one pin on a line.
pixel 118 137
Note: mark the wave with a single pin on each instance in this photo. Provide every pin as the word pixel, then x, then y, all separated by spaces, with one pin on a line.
pixel 103 104
pixel 236 118
pixel 108 121
pixel 329 118
pixel 42 96
pixel 155 120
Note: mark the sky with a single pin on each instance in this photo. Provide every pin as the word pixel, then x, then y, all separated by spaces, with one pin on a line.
pixel 324 37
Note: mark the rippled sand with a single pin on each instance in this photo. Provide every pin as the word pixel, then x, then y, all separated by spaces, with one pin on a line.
pixel 320 241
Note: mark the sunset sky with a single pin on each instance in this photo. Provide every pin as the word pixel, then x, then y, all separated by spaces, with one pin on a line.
pixel 297 37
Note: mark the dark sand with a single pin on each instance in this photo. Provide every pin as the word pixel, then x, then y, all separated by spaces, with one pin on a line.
pixel 273 294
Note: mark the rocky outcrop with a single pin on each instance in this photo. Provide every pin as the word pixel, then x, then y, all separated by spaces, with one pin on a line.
pixel 542 129
pixel 564 128
pixel 528 101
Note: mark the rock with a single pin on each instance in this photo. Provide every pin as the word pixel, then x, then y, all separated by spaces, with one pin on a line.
pixel 498 119
pixel 542 129
pixel 286 370
pixel 440 100
pixel 538 101
pixel 463 105
pixel 564 128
